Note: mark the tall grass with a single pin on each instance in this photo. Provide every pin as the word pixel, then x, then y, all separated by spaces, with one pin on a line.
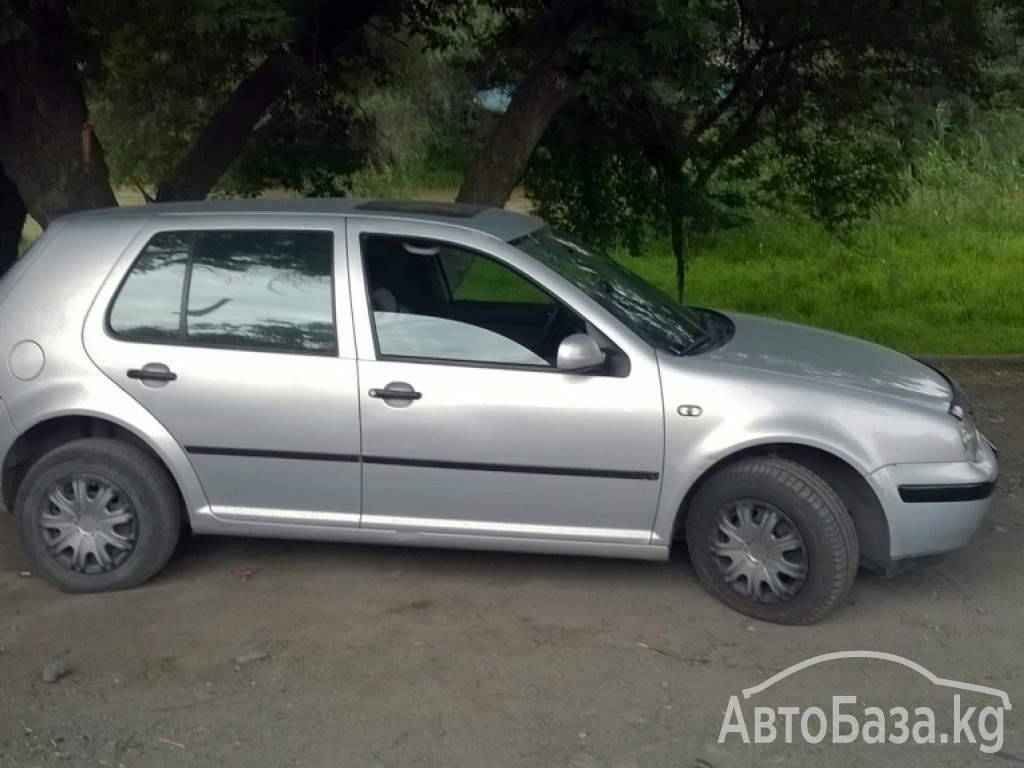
pixel 942 273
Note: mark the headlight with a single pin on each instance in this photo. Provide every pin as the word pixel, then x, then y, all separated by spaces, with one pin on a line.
pixel 968 433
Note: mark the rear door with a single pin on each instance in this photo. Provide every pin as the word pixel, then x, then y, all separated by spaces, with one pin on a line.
pixel 228 334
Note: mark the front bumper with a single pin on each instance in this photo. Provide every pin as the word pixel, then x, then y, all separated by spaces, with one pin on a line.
pixel 935 508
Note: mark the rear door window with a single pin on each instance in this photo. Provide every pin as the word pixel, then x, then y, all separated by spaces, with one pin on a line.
pixel 258 290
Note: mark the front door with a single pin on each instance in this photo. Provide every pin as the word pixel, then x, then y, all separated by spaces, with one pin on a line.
pixel 468 427
pixel 230 338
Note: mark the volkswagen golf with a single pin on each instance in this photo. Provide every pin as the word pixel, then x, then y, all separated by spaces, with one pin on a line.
pixel 439 375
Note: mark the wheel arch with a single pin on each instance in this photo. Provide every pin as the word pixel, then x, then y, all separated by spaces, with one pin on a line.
pixel 44 436
pixel 850 485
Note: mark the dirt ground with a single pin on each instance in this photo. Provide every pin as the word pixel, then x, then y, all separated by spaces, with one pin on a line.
pixel 409 657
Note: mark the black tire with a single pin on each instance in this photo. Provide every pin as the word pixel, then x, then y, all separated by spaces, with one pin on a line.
pixel 124 483
pixel 824 546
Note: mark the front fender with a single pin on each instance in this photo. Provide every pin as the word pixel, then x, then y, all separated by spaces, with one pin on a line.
pixel 740 410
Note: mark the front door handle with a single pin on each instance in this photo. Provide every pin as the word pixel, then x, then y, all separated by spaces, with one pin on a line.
pixel 395 394
pixel 152 374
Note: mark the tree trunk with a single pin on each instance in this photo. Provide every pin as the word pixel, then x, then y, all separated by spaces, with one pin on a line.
pixel 12 222
pixel 46 147
pixel 669 163
pixel 547 86
pixel 678 251
pixel 224 137
pixel 675 185
pixel 500 163
pixel 229 130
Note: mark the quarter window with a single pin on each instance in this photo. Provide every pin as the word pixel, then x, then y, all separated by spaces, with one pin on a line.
pixel 269 290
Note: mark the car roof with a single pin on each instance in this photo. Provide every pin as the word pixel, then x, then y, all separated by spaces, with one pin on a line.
pixel 506 225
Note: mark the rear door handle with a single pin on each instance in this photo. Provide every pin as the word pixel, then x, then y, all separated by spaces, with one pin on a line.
pixel 151 374
pixel 396 394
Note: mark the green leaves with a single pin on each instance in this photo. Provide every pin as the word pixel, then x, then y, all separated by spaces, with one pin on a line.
pixel 588 185
pixel 271 18
pixel 692 111
pixel 310 143
pixel 838 175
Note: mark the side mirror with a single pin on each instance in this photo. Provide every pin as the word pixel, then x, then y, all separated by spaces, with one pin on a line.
pixel 579 352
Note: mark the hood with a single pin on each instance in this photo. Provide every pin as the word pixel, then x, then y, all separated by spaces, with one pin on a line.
pixel 830 358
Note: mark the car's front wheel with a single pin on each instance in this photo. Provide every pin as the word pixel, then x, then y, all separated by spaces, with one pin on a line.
pixel 771 539
pixel 97 514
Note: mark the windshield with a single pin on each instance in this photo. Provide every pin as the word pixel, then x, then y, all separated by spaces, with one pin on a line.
pixel 660 321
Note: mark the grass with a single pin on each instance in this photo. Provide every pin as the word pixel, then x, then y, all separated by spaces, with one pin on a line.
pixel 913 284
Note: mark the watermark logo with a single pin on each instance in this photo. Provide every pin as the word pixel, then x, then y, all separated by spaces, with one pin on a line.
pixel 844 721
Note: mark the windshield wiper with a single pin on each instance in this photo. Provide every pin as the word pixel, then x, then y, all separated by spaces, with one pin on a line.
pixel 710 332
pixel 696 343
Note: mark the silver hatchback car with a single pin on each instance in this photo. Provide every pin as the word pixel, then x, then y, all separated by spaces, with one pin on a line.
pixel 449 376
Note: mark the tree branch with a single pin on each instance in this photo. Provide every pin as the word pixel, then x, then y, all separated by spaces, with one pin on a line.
pixel 745 133
pixel 226 134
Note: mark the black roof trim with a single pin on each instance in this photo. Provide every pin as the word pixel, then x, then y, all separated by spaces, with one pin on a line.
pixel 422 207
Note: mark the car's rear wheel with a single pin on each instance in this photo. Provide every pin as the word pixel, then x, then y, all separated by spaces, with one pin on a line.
pixel 771 539
pixel 98 515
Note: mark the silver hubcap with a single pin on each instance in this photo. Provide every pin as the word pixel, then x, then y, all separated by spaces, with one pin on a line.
pixel 760 553
pixel 89 525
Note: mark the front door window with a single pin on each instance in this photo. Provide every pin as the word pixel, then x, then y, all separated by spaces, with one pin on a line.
pixel 443 302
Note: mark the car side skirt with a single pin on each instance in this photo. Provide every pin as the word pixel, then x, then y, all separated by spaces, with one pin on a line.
pixel 206 523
